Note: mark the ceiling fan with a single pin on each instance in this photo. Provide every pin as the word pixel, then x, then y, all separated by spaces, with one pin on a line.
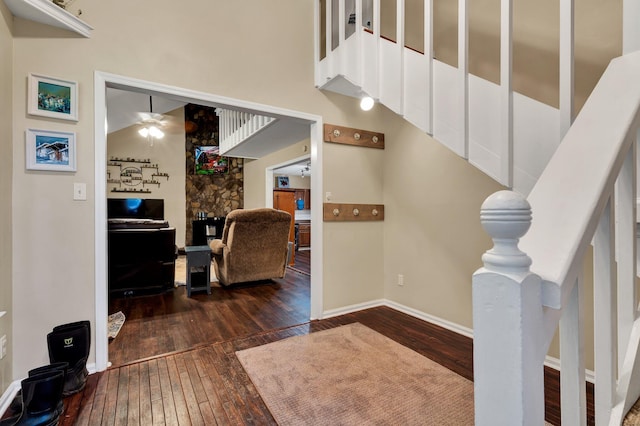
pixel 151 124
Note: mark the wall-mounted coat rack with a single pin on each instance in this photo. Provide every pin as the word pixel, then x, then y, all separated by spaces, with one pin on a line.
pixel 341 212
pixel 349 136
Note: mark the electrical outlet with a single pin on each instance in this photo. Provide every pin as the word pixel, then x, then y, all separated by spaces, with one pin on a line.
pixel 400 280
pixel 3 346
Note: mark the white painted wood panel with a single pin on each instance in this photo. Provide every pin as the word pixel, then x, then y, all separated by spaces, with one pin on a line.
pixel 484 126
pixel 536 135
pixel 416 89
pixel 447 98
pixel 391 75
pixel 351 60
pixel 370 64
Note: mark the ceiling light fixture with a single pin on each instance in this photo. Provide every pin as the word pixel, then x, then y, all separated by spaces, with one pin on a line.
pixel 151 126
pixel 307 168
pixel 366 103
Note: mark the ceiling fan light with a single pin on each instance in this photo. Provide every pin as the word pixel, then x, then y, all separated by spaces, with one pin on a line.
pixel 155 132
pixel 144 132
pixel 366 103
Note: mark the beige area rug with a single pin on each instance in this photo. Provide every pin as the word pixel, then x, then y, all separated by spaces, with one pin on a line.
pixel 181 272
pixel 352 375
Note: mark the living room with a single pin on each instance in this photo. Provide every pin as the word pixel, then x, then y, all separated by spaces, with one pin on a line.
pixel 165 171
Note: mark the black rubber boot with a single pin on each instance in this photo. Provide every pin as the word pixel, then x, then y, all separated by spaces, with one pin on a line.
pixel 71 343
pixel 16 404
pixel 42 396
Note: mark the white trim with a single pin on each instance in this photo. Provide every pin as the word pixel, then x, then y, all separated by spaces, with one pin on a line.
pixel 45 12
pixel 550 361
pixel 451 326
pixel 101 81
pixel 268 195
pixel 8 395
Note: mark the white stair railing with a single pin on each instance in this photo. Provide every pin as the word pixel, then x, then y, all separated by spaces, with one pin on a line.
pixel 237 127
pixel 498 130
pixel 585 196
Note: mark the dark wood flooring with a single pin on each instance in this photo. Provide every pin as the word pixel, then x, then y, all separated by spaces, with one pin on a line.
pixel 205 384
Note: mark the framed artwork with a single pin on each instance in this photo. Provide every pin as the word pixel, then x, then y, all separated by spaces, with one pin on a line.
pixel 52 97
pixel 209 162
pixel 282 181
pixel 49 150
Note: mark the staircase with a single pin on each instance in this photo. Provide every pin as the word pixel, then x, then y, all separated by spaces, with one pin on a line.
pixel 581 192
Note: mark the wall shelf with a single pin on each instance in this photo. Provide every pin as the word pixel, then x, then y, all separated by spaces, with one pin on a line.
pixel 45 12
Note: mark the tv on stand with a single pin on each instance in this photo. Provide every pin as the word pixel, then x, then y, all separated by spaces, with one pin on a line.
pixel 135 208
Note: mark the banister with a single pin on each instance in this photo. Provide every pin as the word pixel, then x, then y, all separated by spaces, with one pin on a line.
pixel 567 201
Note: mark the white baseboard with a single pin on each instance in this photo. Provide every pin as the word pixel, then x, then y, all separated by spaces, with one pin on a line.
pixel 8 395
pixel 550 361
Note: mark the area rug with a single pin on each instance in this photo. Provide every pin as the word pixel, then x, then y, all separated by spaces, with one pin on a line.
pixel 181 272
pixel 114 324
pixel 352 375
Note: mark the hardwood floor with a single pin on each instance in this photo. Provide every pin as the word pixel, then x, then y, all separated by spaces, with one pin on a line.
pixel 170 322
pixel 199 380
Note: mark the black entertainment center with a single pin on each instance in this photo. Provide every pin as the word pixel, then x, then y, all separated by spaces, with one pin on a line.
pixel 142 248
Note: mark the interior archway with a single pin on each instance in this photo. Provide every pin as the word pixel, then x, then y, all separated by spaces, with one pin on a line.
pixel 103 80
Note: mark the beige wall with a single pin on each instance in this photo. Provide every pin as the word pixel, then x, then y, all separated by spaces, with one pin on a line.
pixel 257 51
pixel 432 232
pixel 254 172
pixel 47 218
pixel 169 154
pixel 297 181
pixel 6 171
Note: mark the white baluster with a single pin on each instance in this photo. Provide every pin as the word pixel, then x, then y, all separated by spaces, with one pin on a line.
pixel 509 346
pixel 572 384
pixel 604 320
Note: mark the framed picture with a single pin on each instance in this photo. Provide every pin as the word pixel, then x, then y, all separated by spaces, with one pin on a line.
pixel 209 162
pixel 49 150
pixel 282 181
pixel 52 97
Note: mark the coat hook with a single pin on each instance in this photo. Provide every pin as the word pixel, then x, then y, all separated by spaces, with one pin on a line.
pixel 336 212
pixel 356 212
pixel 356 136
pixel 374 139
pixel 336 132
pixel 374 212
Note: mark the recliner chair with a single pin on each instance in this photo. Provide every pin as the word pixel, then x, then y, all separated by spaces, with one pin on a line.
pixel 254 246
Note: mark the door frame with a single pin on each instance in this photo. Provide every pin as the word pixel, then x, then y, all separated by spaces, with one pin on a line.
pixel 102 80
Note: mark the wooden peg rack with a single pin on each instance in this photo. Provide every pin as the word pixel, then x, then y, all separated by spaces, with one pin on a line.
pixel 340 212
pixel 349 136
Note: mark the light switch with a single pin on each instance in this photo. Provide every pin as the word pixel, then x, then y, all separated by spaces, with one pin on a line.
pixel 327 196
pixel 79 191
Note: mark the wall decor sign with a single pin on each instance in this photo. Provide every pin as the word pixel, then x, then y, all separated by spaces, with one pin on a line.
pixel 52 97
pixel 209 162
pixel 49 150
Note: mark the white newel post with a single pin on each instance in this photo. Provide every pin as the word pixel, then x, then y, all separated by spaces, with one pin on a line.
pixel 508 348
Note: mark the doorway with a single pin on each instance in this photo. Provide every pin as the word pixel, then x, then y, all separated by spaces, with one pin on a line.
pixel 101 82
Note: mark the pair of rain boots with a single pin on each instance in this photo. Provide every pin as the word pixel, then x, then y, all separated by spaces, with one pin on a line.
pixel 68 346
pixel 41 398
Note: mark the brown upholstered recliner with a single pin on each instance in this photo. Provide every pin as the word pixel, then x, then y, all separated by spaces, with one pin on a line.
pixel 254 246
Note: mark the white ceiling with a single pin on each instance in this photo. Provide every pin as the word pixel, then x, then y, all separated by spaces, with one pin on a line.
pixel 294 169
pixel 123 107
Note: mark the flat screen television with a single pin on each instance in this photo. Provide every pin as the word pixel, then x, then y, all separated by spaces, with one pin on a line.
pixel 135 208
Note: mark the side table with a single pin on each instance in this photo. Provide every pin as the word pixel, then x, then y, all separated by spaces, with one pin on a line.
pixel 198 257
